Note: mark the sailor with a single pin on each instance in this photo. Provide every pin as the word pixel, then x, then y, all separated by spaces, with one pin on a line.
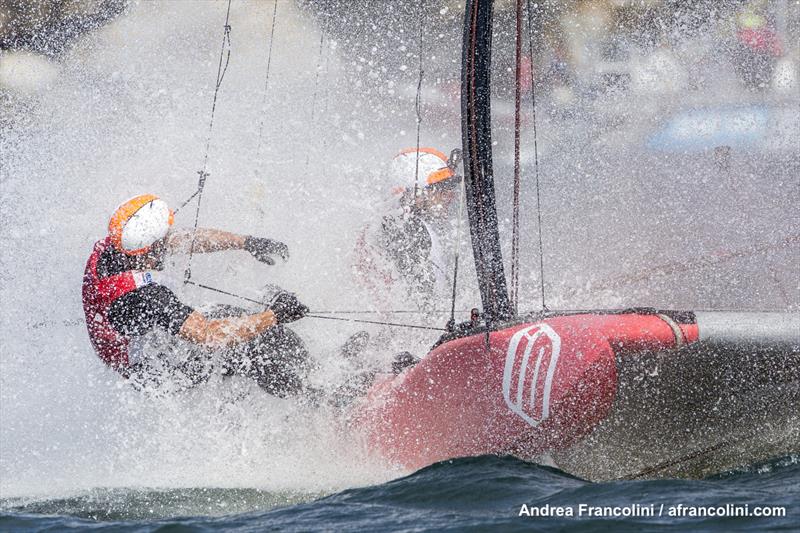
pixel 412 245
pixel 140 328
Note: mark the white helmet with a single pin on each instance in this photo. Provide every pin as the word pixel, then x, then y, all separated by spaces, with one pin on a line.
pixel 433 168
pixel 138 223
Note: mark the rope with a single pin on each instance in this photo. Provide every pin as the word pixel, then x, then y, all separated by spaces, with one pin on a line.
pixel 222 68
pixel 266 80
pixel 316 87
pixel 323 117
pixel 418 99
pixel 457 250
pixel 317 315
pixel 536 155
pixel 396 311
pixel 208 288
pixel 316 74
pixel 515 209
pixel 381 323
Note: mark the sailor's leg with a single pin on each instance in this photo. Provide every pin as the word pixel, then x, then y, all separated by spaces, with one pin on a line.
pixel 354 387
pixel 197 367
pixel 165 362
pixel 277 359
pixel 355 345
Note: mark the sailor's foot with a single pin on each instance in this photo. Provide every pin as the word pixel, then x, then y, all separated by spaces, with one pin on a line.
pixel 355 387
pixel 402 361
pixel 355 345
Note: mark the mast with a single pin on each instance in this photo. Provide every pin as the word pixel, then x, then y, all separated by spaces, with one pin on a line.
pixel 476 134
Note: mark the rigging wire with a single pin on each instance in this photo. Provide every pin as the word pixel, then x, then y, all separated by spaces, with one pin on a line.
pixel 392 312
pixel 515 210
pixel 324 116
pixel 266 80
pixel 222 68
pixel 458 245
pixel 418 99
pixel 536 156
pixel 379 322
pixel 320 314
pixel 316 86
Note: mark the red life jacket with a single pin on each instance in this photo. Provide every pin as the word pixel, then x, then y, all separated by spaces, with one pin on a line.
pixel 98 295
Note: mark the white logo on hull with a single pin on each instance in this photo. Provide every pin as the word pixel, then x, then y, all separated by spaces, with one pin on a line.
pixel 547 352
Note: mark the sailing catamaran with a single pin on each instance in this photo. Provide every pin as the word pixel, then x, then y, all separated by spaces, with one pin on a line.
pixel 602 394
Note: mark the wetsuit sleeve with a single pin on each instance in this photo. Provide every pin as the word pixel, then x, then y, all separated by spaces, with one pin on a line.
pixel 409 246
pixel 146 308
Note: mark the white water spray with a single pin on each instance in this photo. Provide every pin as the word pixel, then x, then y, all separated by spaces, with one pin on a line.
pixel 128 114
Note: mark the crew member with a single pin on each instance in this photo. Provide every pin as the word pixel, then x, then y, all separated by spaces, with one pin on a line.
pixel 139 327
pixel 412 245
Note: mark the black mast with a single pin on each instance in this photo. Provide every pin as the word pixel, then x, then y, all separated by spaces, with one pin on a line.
pixel 476 133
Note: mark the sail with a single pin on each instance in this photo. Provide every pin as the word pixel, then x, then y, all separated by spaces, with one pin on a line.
pixel 476 131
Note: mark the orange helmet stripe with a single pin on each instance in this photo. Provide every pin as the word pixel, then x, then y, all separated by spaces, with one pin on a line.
pixel 123 213
pixel 425 150
pixel 440 175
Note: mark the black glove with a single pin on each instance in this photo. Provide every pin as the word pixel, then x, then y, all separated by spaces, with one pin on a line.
pixel 287 308
pixel 262 249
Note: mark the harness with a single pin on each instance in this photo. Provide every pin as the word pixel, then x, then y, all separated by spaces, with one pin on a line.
pixel 98 295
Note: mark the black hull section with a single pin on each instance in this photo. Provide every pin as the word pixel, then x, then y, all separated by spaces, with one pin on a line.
pixel 693 413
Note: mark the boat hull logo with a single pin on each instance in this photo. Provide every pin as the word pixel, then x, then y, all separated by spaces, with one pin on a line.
pixel 527 380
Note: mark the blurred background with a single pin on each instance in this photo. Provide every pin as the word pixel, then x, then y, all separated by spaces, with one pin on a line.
pixel 668 130
pixel 668 157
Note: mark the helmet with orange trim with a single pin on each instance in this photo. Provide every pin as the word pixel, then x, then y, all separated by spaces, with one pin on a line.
pixel 421 169
pixel 138 223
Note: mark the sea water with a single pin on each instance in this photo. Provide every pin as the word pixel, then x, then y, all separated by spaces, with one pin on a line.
pixel 470 494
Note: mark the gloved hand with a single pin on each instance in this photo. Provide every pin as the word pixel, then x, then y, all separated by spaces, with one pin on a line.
pixel 287 308
pixel 262 249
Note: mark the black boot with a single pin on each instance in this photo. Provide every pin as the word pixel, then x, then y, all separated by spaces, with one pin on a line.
pixel 356 344
pixel 402 361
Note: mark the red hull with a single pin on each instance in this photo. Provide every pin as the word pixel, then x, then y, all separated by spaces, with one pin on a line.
pixel 527 389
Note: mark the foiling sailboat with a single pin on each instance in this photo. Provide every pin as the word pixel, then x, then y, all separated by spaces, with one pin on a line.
pixel 608 394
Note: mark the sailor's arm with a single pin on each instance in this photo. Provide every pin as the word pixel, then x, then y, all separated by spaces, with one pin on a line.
pixel 234 330
pixel 225 331
pixel 203 240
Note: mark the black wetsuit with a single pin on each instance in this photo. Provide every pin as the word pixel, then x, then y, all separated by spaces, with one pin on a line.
pixel 408 244
pixel 277 359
